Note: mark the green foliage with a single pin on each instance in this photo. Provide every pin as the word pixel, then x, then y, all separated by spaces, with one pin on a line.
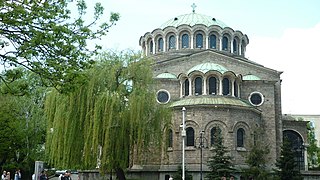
pixel 40 36
pixel 22 126
pixel 178 174
pixel 220 162
pixel 312 150
pixel 111 118
pixel 287 167
pixel 256 158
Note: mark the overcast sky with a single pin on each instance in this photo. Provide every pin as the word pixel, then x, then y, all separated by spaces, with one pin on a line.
pixel 284 35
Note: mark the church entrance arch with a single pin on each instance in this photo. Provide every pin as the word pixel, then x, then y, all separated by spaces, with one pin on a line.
pixel 297 146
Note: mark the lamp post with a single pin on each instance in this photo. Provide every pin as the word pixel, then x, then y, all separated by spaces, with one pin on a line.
pixel 183 135
pixel 202 142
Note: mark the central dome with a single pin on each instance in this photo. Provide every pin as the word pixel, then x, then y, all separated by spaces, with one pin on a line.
pixel 192 19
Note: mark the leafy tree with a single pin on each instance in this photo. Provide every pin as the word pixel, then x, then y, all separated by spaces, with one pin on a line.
pixel 220 162
pixel 256 158
pixel 312 150
pixel 40 36
pixel 111 120
pixel 22 127
pixel 287 167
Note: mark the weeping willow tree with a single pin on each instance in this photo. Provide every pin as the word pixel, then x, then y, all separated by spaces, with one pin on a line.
pixel 111 118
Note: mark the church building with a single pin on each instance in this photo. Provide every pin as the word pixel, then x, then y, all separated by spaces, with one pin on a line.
pixel 202 73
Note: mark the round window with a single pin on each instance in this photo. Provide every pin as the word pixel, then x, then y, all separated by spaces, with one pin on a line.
pixel 163 96
pixel 256 98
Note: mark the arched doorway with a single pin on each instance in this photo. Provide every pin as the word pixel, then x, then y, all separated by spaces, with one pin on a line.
pixel 297 146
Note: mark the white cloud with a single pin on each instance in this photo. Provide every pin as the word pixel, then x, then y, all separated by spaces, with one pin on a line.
pixel 296 53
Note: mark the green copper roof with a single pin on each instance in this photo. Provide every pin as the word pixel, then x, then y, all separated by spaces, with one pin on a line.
pixel 214 100
pixel 193 19
pixel 166 76
pixel 250 77
pixel 205 67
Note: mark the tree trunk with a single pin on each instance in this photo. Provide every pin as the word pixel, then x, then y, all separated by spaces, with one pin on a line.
pixel 120 174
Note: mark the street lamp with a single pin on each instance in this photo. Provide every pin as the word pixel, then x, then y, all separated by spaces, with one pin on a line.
pixel 203 143
pixel 183 135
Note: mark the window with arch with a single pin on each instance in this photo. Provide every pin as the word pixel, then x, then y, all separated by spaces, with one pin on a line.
pixel 212 85
pixel 190 136
pixel 172 42
pixel 297 146
pixel 151 46
pixel 240 137
pixel 224 43
pixel 170 138
pixel 215 132
pixel 199 40
pixel 185 41
pixel 213 41
pixel 186 87
pixel 160 43
pixel 225 86
pixel 198 86
pixel 235 46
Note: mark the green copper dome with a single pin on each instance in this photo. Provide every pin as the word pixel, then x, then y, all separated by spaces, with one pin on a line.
pixel 166 76
pixel 193 19
pixel 205 67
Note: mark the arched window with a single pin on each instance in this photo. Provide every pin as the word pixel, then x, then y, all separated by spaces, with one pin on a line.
pixel 235 87
pixel 296 143
pixel 160 43
pixel 235 46
pixel 212 85
pixel 240 137
pixel 224 43
pixel 151 46
pixel 170 140
pixel 185 41
pixel 190 136
pixel 214 134
pixel 213 41
pixel 225 86
pixel 198 86
pixel 172 42
pixel 199 40
pixel 186 87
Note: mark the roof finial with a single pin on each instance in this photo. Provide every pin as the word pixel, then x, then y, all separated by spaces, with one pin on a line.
pixel 193 7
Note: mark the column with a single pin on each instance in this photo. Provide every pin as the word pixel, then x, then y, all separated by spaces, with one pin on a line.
pixel 220 43
pixel 205 86
pixel 220 86
pixel 232 87
pixel 177 42
pixel 207 42
pixel 181 89
pixel 231 45
pixel 147 51
pixel 153 46
pixel 240 48
pixel 191 41
pixel 164 44
pixel 190 87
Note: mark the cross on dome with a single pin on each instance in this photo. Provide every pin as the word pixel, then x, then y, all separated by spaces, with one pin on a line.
pixel 193 7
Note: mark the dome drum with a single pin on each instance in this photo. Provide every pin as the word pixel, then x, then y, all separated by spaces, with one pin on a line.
pixel 194 31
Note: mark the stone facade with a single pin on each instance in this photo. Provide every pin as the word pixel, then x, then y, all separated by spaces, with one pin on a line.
pixel 219 88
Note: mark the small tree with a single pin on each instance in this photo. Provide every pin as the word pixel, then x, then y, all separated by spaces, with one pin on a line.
pixel 220 162
pixel 287 167
pixel 178 174
pixel 256 159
